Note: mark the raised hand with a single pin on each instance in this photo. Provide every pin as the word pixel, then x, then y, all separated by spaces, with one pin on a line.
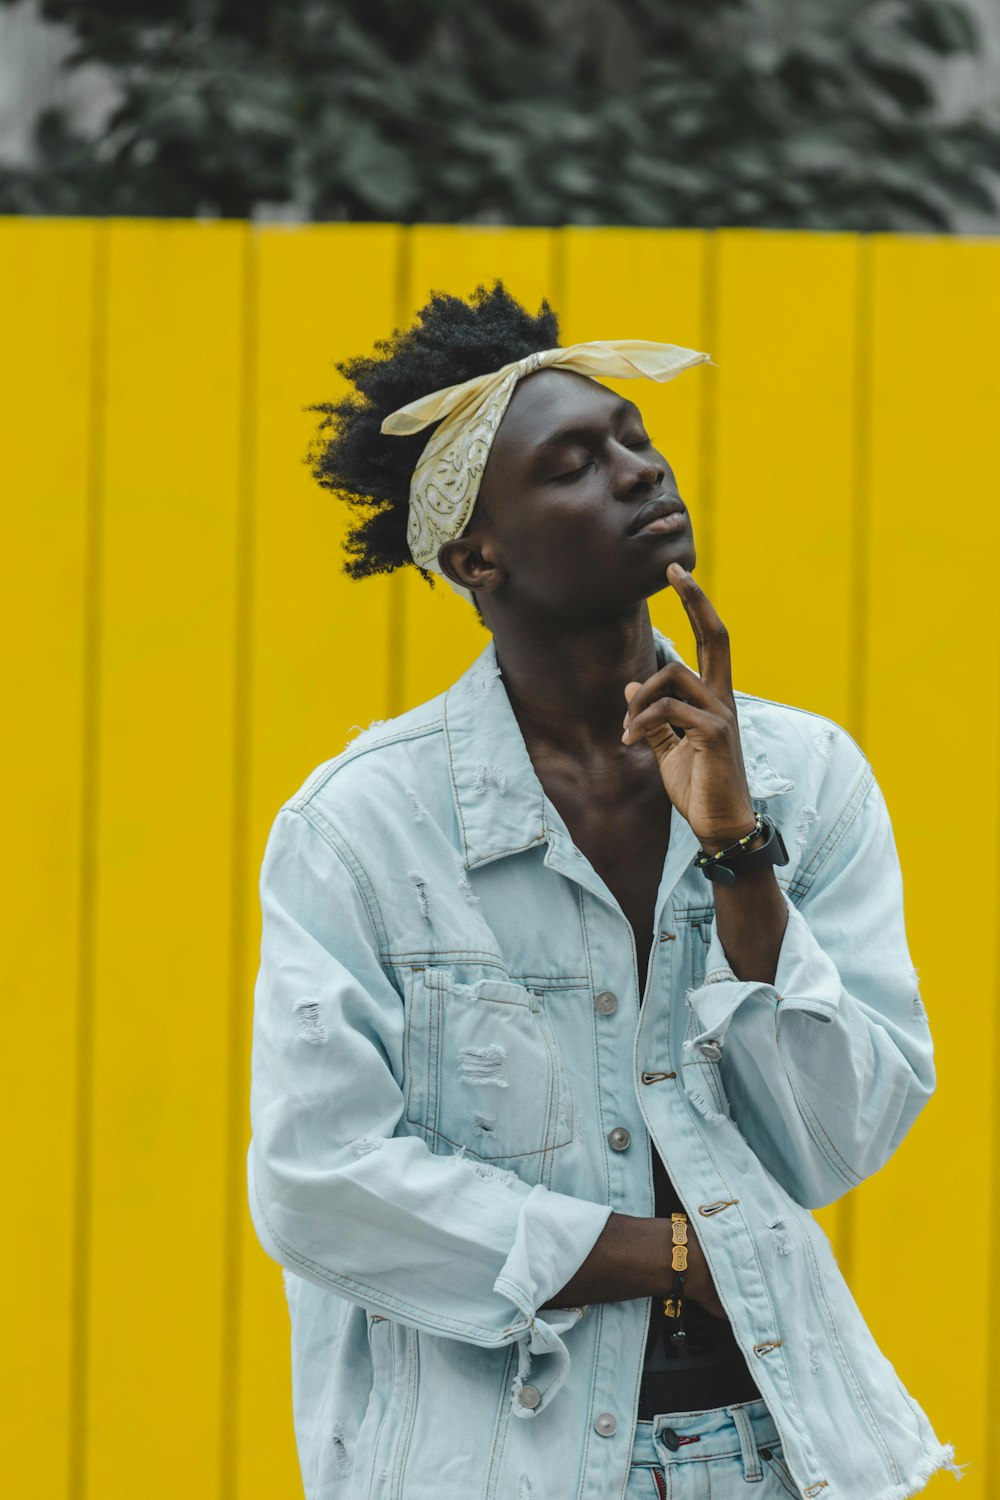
pixel 689 720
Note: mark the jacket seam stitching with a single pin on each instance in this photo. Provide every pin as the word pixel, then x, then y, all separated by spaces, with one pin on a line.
pixel 351 753
pixel 848 1368
pixel 597 1051
pixel 500 1427
pixel 817 1130
pixel 795 708
pixel 761 1278
pixel 459 810
pixel 845 820
pixel 355 869
pixel 337 1278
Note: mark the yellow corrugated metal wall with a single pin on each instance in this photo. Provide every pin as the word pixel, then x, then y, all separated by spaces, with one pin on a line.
pixel 180 648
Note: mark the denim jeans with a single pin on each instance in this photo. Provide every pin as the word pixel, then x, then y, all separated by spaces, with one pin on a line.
pixel 709 1455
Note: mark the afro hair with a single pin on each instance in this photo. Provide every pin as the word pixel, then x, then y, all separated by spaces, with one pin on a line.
pixel 451 341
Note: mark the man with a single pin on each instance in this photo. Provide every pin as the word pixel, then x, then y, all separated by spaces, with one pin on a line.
pixel 581 984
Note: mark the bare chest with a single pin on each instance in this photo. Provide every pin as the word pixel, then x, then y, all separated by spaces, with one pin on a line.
pixel 623 828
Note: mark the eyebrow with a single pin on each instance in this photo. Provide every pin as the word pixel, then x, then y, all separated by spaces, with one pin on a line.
pixel 578 430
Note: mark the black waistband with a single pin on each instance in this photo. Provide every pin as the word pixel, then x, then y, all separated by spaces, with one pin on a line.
pixel 695 1390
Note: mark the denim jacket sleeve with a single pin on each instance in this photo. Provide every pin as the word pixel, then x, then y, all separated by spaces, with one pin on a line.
pixel 449 1245
pixel 827 1068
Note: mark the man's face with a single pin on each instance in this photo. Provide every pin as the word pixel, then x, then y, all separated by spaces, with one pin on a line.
pixel 558 511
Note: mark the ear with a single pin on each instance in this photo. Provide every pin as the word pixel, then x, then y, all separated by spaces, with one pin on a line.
pixel 472 565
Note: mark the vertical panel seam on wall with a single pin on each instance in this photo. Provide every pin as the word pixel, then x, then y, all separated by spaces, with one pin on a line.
pixel 395 672
pixel 243 645
pixel 708 405
pixel 991 1384
pixel 558 251
pixel 857 685
pixel 91 644
pixel 857 642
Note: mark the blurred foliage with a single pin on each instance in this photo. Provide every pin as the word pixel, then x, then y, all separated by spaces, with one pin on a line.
pixel 667 112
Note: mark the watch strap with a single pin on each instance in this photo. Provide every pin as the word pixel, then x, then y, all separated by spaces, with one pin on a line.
pixel 726 871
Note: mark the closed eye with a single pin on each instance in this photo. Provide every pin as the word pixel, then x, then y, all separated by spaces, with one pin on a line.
pixel 572 473
pixel 643 442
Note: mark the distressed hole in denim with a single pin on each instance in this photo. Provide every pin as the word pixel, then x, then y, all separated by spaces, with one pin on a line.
pixel 365 1144
pixel 342 1458
pixel 807 818
pixel 483 1125
pixel 704 1107
pixel 489 1173
pixel 525 1488
pixel 464 884
pixel 419 810
pixel 812 1349
pixel 488 775
pixel 823 739
pixel 483 1065
pixel 311 1028
pixel 782 1243
pixel 482 681
pixel 421 892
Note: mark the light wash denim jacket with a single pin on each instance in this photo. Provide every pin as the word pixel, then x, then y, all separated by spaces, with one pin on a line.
pixel 447 1047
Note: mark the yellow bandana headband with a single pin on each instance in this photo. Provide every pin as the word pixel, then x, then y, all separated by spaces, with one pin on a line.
pixel 449 471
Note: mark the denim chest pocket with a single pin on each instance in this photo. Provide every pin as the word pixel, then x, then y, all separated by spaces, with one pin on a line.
pixel 693 929
pixel 482 1070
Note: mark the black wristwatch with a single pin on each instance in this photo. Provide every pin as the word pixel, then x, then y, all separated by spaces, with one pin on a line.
pixel 746 862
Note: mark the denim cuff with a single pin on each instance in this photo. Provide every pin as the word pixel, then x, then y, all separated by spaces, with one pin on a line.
pixel 806 979
pixel 555 1234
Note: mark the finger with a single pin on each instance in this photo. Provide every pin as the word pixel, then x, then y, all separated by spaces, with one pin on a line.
pixel 675 680
pixel 673 714
pixel 711 636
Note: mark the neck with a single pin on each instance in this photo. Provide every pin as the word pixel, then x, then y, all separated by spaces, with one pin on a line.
pixel 567 687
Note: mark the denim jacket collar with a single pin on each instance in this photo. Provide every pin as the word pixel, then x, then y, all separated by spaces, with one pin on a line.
pixel 487 752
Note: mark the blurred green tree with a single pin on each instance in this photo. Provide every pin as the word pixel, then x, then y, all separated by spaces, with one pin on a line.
pixel 787 113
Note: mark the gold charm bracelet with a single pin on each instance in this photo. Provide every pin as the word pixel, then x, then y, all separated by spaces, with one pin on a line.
pixel 673 1306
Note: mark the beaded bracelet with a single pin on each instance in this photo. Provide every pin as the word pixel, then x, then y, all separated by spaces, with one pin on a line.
pixel 673 1306
pixel 702 859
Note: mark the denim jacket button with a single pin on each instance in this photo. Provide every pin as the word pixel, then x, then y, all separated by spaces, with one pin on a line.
pixel 530 1396
pixel 619 1138
pixel 606 1424
pixel 606 1003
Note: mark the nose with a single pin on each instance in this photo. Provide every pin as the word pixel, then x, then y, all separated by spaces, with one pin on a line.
pixel 636 472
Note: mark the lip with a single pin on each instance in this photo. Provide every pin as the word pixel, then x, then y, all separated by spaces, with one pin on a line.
pixel 657 510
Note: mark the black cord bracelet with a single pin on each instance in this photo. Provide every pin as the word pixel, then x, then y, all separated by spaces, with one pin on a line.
pixel 726 866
